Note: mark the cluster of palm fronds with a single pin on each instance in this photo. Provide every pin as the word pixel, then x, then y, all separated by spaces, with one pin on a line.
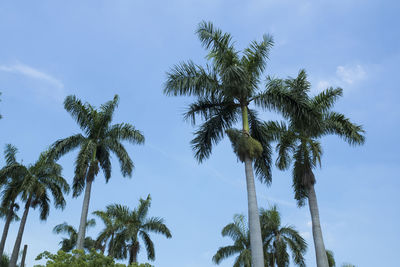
pixel 120 237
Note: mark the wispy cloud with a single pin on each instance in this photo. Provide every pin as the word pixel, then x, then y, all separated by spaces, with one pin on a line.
pixel 49 86
pixel 33 73
pixel 351 74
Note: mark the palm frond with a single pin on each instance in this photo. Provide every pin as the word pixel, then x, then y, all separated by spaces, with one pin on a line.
pixel 336 123
pixel 124 159
pixel 79 111
pixel 190 79
pixel 225 252
pixel 325 100
pixel 148 244
pixel 10 153
pixel 262 164
pixel 212 131
pixel 255 57
pixel 63 146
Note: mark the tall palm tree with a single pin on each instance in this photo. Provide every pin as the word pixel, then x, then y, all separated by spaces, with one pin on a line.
pixel 40 180
pixel 107 236
pixel 299 142
pixel 239 232
pixel 277 240
pixel 100 139
pixel 224 91
pixel 133 224
pixel 68 244
pixel 9 208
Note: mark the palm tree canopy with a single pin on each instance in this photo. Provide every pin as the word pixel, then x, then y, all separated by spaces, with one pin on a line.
pixel 278 239
pixel 239 233
pixel 68 244
pixel 10 152
pixel 226 87
pixel 299 139
pixel 99 139
pixel 132 224
pixel 38 181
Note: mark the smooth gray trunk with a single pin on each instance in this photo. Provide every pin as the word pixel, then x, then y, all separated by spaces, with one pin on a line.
pixel 17 246
pixel 320 252
pixel 6 227
pixel 84 214
pixel 257 254
pixel 24 256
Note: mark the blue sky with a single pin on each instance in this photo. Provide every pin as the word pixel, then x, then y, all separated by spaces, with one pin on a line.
pixel 95 49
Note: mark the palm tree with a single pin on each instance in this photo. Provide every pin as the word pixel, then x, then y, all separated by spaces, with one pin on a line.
pixel 239 232
pixel 68 244
pixel 278 239
pixel 39 180
pixel 107 236
pixel 9 208
pixel 99 140
pixel 299 141
pixel 133 224
pixel 224 91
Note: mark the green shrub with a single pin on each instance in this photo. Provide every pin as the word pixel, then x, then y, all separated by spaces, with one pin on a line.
pixel 79 259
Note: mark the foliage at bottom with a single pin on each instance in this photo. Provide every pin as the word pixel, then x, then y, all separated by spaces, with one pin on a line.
pixel 79 259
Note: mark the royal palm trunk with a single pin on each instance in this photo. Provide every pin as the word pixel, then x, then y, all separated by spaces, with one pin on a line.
pixel 133 252
pixel 17 246
pixel 257 255
pixel 6 227
pixel 320 252
pixel 85 209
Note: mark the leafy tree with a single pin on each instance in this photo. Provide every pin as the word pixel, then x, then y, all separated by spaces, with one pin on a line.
pixel 299 142
pixel 68 244
pixel 100 139
pixel 40 180
pixel 79 259
pixel 224 91
pixel 278 240
pixel 9 207
pixel 133 224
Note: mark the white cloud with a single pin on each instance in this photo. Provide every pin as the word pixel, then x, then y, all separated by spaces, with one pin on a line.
pixel 346 76
pixel 54 88
pixel 349 74
pixel 32 73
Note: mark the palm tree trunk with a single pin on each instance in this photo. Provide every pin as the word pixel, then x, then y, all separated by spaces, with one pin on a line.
pixel 17 246
pixel 6 227
pixel 133 253
pixel 320 252
pixel 84 214
pixel 257 255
